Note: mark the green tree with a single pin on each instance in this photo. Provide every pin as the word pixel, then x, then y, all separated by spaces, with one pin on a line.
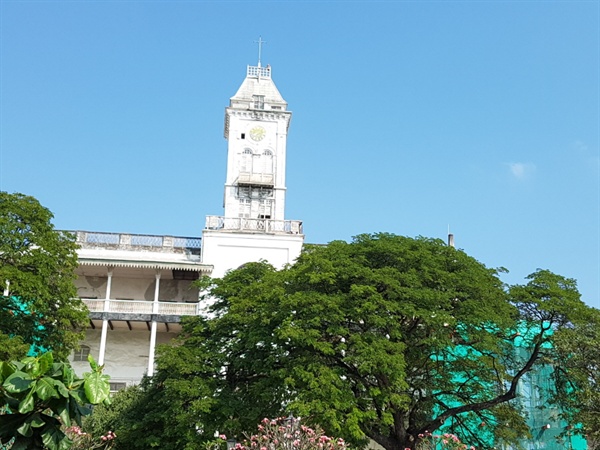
pixel 576 345
pixel 39 397
pixel 385 338
pixel 151 415
pixel 37 266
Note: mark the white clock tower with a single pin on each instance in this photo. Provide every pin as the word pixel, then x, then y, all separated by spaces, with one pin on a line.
pixel 253 227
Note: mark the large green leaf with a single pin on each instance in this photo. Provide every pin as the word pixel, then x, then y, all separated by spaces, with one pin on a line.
pixel 37 421
pixel 17 382
pixel 62 409
pixel 68 375
pixel 6 370
pixel 54 439
pixel 25 429
pixel 60 387
pixel 45 389
pixel 96 387
pixel 93 363
pixel 78 395
pixel 27 404
pixel 45 363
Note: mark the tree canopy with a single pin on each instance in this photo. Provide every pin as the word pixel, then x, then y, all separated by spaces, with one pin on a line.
pixel 385 338
pixel 37 266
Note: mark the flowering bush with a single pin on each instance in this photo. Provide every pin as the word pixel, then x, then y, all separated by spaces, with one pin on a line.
pixel 85 441
pixel 446 441
pixel 287 434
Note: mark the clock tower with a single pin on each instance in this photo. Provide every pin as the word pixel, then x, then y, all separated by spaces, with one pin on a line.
pixel 256 127
pixel 253 226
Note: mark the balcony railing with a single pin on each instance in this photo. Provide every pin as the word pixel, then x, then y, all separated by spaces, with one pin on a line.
pixel 256 225
pixel 142 307
pixel 124 241
pixel 255 179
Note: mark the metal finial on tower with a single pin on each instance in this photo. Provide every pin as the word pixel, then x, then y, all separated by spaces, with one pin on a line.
pixel 260 43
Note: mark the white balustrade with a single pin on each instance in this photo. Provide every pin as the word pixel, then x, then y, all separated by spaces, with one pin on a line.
pixel 260 225
pixel 127 241
pixel 142 307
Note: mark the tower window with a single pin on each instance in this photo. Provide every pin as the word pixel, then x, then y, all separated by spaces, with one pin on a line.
pixel 243 136
pixel 259 101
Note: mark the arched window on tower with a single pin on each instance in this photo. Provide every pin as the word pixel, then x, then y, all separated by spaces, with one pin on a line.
pixel 267 161
pixel 246 161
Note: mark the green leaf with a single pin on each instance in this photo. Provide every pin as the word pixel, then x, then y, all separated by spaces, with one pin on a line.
pixel 17 382
pixel 45 362
pixel 54 439
pixel 68 375
pixel 93 363
pixel 60 386
pixel 78 395
pixel 25 429
pixel 62 409
pixel 96 387
pixel 6 370
pixel 37 421
pixel 45 389
pixel 27 404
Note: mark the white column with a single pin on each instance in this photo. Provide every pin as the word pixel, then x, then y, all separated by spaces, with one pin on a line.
pixel 7 288
pixel 105 321
pixel 154 326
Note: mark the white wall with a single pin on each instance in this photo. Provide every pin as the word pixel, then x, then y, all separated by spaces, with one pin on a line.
pixel 126 353
pixel 226 250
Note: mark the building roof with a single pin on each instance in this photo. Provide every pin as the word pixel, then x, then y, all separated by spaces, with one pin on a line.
pixel 258 82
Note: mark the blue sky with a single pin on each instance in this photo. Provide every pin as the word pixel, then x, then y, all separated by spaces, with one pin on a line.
pixel 409 117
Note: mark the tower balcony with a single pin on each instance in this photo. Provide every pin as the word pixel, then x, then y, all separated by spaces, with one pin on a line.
pixel 253 225
pixel 255 179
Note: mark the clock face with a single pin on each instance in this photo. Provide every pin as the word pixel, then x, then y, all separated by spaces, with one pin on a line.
pixel 257 133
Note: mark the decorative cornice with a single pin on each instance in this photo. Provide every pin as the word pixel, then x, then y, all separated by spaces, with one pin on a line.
pixel 259 115
pixel 205 269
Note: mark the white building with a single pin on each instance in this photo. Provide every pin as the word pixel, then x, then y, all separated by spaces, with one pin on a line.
pixel 138 287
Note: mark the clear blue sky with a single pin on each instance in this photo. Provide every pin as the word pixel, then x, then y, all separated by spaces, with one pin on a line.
pixel 408 117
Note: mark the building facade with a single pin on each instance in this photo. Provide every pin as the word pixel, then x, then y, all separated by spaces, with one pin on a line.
pixel 139 287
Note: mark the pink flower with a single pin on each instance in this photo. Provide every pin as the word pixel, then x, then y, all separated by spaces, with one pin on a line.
pixel 222 436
